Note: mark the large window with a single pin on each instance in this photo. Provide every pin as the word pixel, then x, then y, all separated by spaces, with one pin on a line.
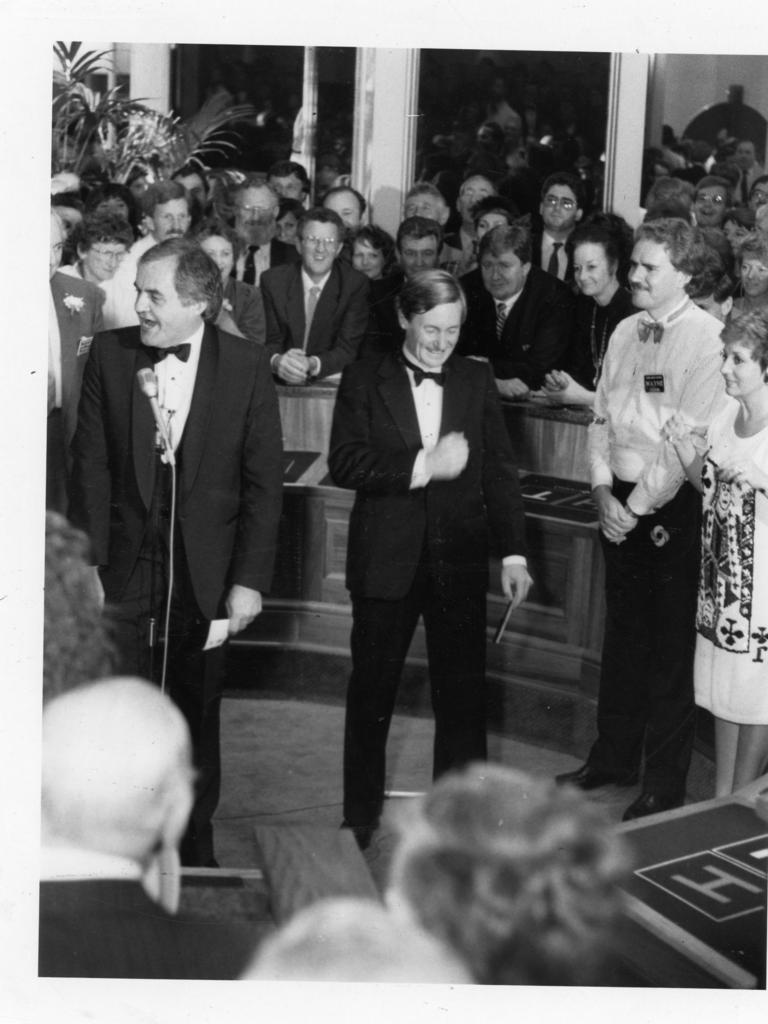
pixel 519 114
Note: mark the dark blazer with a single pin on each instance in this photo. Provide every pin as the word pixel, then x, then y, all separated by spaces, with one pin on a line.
pixel 247 309
pixel 281 253
pixel 109 928
pixel 77 328
pixel 536 332
pixel 384 333
pixel 339 322
pixel 374 441
pixel 229 466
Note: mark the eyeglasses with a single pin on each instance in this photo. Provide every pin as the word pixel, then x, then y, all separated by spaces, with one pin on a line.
pixel 112 255
pixel 553 201
pixel 320 243
pixel 718 200
pixel 256 209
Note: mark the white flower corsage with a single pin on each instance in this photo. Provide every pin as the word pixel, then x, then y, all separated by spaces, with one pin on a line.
pixel 74 303
pixel 226 304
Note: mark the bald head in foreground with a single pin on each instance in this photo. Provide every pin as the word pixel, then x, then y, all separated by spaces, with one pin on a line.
pixel 117 789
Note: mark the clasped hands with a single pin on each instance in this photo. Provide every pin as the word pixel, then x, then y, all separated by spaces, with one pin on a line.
pixel 295 367
pixel 614 519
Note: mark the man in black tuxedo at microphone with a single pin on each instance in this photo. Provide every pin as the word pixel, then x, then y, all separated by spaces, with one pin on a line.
pixel 217 527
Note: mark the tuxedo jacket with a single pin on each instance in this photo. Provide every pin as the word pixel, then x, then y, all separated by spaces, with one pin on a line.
pixel 110 928
pixel 340 319
pixel 375 438
pixel 229 465
pixel 536 332
pixel 77 328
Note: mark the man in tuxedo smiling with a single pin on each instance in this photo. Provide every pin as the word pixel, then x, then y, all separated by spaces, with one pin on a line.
pixel 419 434
pixel 216 520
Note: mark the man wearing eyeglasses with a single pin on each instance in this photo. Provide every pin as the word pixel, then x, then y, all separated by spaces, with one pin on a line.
pixel 758 195
pixel 317 310
pixel 561 208
pixel 255 205
pixel 103 241
pixel 711 201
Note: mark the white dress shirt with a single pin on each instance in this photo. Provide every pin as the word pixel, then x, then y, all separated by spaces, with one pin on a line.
pixel 54 351
pixel 547 245
pixel 428 401
pixel 642 384
pixel 175 384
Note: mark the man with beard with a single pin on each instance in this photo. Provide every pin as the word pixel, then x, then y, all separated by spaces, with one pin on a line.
pixel 256 205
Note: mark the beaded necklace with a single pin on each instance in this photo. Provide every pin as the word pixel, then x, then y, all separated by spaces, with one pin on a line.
pixel 598 354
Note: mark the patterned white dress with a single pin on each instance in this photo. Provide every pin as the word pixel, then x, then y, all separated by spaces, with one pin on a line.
pixel 731 664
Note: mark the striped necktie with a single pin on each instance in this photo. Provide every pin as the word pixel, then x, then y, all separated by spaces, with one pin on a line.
pixel 501 317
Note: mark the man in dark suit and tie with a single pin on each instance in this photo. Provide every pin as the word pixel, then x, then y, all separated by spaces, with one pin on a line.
pixel 420 436
pixel 255 205
pixel 219 412
pixel 521 320
pixel 317 311
pixel 561 209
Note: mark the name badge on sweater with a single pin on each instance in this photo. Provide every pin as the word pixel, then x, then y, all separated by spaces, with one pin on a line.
pixel 654 382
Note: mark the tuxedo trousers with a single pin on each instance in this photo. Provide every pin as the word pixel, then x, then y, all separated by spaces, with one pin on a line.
pixel 453 610
pixel 194 678
pixel 645 710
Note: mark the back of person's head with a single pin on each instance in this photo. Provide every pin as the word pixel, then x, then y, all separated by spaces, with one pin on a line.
pixel 505 208
pixel 419 227
pixel 517 875
pixel 667 188
pixel 345 939
pixel 671 207
pixel 713 267
pixel 76 644
pixel 116 770
pixel 515 238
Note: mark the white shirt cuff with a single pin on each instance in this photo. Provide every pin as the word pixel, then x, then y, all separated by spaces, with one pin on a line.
pixel 419 475
pixel 515 560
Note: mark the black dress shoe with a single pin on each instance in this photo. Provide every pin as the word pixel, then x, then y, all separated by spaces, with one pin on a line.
pixel 363 833
pixel 588 777
pixel 652 803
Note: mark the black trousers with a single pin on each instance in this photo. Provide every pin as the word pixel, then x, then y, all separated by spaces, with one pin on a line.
pixel 194 678
pixel 453 607
pixel 645 713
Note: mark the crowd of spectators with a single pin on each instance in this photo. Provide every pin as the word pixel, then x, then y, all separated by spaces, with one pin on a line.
pixel 501 878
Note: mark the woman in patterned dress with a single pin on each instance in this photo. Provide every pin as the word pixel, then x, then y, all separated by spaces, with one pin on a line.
pixel 731 664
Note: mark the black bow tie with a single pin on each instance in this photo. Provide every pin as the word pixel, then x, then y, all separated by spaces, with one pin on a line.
pixel 646 328
pixel 180 351
pixel 419 375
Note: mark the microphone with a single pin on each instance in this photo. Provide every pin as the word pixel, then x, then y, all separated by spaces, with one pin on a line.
pixel 148 384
